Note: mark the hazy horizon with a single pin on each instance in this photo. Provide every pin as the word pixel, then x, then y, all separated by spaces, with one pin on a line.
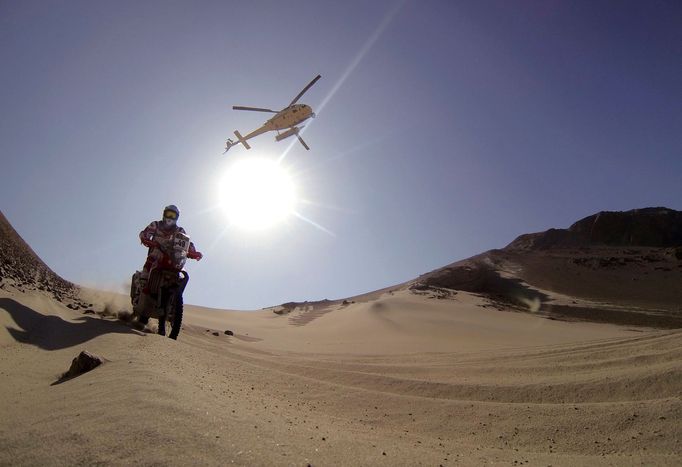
pixel 444 129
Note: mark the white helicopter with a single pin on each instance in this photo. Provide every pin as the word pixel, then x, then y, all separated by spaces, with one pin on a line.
pixel 285 119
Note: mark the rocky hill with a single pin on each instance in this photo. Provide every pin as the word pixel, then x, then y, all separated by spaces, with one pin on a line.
pixel 648 227
pixel 21 269
pixel 621 267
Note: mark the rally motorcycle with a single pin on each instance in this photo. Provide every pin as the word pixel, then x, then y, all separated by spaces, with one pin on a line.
pixel 160 296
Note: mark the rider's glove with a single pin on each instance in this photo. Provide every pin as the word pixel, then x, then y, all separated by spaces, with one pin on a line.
pixel 149 243
pixel 196 255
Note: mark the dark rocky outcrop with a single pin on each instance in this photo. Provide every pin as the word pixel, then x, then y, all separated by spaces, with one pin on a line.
pixel 477 275
pixel 651 227
pixel 84 362
pixel 21 268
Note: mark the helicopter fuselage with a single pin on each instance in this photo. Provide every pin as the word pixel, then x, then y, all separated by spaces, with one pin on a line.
pixel 283 120
pixel 289 117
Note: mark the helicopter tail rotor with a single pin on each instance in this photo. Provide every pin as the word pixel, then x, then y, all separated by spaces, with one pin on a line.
pixel 228 144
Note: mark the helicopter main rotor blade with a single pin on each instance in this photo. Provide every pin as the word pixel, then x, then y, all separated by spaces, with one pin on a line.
pixel 254 109
pixel 305 89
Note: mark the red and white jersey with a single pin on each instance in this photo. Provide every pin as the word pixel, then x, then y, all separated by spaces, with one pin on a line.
pixel 157 231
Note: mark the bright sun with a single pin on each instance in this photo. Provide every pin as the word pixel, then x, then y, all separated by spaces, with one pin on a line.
pixel 257 193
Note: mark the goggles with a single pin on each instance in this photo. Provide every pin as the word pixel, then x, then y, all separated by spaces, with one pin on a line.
pixel 170 215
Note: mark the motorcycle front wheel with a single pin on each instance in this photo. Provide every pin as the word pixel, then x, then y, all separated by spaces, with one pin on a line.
pixel 171 327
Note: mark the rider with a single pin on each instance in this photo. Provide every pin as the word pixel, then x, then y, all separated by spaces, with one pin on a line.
pixel 163 230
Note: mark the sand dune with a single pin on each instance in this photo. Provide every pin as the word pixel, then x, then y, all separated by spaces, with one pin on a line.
pixel 473 364
pixel 529 390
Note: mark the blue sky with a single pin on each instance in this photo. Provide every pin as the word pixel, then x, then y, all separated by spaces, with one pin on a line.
pixel 448 128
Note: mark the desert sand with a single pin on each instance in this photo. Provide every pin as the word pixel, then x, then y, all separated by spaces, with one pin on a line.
pixel 496 368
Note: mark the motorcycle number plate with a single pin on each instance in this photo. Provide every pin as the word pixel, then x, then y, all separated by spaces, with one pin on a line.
pixel 180 242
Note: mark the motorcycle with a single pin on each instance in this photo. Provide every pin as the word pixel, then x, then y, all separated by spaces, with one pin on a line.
pixel 160 295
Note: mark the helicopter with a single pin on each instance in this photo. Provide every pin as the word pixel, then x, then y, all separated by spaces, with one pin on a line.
pixel 284 122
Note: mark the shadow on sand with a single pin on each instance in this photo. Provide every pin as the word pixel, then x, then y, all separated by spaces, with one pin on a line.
pixel 54 333
pixel 659 320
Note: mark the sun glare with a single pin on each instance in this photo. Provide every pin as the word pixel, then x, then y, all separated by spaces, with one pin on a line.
pixel 257 193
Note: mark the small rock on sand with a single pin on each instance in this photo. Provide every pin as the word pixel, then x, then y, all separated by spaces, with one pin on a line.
pixel 84 362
